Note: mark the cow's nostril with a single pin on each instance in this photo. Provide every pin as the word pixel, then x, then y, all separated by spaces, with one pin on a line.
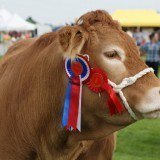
pixel 159 91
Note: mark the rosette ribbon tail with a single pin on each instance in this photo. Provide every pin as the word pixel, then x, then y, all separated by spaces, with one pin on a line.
pixel 114 103
pixel 72 106
pixel 66 106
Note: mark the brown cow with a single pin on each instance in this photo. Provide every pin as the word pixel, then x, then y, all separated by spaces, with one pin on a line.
pixel 33 83
pixel 99 149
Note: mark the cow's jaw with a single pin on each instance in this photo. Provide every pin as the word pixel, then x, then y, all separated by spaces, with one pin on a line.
pixel 152 115
pixel 149 105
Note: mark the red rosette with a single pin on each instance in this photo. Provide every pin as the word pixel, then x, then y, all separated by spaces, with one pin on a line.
pixel 97 79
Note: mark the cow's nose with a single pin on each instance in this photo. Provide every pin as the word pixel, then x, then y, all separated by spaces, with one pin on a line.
pixel 150 102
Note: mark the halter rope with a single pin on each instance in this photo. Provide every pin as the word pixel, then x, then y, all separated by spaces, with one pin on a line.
pixel 125 83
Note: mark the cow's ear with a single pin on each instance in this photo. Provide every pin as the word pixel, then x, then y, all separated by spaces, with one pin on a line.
pixel 72 40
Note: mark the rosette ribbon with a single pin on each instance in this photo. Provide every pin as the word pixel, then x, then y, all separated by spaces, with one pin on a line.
pixel 99 82
pixel 78 71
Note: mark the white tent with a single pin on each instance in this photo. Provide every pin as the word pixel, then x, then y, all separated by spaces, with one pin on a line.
pixel 16 23
pixel 9 22
pixel 4 17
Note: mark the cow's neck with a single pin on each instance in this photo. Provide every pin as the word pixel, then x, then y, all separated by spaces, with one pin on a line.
pixel 59 144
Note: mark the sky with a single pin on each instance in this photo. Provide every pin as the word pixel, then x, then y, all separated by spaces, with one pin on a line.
pixel 61 11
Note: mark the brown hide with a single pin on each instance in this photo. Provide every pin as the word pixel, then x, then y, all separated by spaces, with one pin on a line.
pixel 100 149
pixel 87 150
pixel 22 118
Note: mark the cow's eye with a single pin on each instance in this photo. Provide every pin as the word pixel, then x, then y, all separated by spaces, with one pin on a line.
pixel 111 54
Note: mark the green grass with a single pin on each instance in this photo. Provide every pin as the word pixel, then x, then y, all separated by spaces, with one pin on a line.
pixel 140 141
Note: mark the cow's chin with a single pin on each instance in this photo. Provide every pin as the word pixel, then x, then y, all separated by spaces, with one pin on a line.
pixel 152 115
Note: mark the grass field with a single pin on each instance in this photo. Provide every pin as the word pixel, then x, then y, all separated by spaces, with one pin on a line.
pixel 140 141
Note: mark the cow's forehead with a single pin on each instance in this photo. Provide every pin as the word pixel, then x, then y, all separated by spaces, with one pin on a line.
pixel 118 39
pixel 111 36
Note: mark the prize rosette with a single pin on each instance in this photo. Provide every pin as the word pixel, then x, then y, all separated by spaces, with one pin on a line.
pixel 98 83
pixel 78 71
pixel 78 67
pixel 97 79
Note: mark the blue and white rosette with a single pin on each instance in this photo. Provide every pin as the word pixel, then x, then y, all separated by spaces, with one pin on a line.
pixel 72 106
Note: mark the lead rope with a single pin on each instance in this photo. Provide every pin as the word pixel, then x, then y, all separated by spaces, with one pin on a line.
pixel 125 83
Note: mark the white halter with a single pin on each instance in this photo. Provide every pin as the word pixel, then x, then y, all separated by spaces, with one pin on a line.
pixel 125 83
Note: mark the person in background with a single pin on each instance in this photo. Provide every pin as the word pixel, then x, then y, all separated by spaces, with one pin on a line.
pixel 152 50
pixel 158 32
pixel 138 36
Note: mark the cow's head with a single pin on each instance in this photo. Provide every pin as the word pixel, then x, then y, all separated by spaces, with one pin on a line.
pixel 111 49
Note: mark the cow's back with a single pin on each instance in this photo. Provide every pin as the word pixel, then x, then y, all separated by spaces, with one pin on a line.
pixel 19 46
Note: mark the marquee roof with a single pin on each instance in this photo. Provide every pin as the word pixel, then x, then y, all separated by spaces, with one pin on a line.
pixel 135 18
